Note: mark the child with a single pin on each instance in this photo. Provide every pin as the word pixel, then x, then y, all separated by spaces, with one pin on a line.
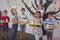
pixel 23 26
pixel 41 9
pixel 37 30
pixel 14 23
pixel 5 25
pixel 49 23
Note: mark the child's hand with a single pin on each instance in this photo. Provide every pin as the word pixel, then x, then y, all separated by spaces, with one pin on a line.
pixel 27 22
pixel 34 29
pixel 20 21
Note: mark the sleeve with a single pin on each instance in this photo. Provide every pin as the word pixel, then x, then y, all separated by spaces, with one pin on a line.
pixel 55 21
pixel 2 18
pixel 8 19
pixel 13 17
pixel 45 22
pixel 41 21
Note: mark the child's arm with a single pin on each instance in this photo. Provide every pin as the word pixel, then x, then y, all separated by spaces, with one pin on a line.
pixel 20 20
pixel 8 19
pixel 41 21
pixel 34 29
pixel 45 26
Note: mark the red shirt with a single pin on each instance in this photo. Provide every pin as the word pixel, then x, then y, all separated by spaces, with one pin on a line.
pixel 4 18
pixel 0 18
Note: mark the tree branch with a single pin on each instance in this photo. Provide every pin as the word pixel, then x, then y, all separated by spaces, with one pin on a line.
pixel 28 8
pixel 41 2
pixel 46 5
pixel 36 3
pixel 33 6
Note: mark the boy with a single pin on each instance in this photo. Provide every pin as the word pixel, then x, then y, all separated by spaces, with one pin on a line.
pixel 22 26
pixel 6 20
pixel 49 26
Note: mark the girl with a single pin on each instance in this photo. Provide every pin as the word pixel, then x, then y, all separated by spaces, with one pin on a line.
pixel 5 25
pixel 37 30
pixel 14 23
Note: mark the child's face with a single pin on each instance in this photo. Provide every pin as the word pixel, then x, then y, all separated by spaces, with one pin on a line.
pixel 39 6
pixel 37 15
pixel 23 11
pixel 50 16
pixel 14 11
pixel 5 13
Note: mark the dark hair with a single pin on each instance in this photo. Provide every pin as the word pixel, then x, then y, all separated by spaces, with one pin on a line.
pixel 39 13
pixel 23 9
pixel 50 13
pixel 5 11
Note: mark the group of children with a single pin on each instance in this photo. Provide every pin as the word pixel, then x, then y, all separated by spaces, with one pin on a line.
pixel 16 19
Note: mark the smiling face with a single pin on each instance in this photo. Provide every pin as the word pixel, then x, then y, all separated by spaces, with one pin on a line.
pixel 5 12
pixel 50 16
pixel 38 14
pixel 40 6
pixel 13 11
pixel 23 11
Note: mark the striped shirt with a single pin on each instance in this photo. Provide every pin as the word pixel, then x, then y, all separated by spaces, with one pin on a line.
pixel 50 22
pixel 38 31
pixel 21 16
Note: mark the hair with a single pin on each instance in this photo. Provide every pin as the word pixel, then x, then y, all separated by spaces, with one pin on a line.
pixel 39 13
pixel 50 13
pixel 23 9
pixel 5 11
pixel 12 11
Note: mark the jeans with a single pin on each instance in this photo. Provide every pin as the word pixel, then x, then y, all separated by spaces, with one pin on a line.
pixel 14 31
pixel 5 29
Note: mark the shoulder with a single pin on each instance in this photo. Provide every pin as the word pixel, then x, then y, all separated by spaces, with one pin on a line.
pixel 12 16
pixel 7 16
pixel 47 19
pixel 54 19
pixel 2 17
pixel 19 14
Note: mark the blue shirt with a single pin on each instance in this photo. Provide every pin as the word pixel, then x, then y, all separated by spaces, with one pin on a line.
pixel 50 22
